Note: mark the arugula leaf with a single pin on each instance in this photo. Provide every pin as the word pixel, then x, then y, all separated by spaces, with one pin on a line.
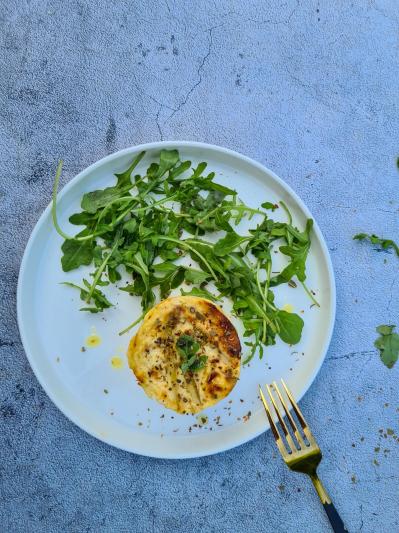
pixel 76 253
pixel 385 244
pixel 165 267
pixel 290 327
pixel 99 299
pixel 92 201
pixel 388 345
pixel 298 251
pixel 172 280
pixel 123 178
pixel 199 170
pixel 98 273
pixel 297 267
pixel 167 160
pixel 196 276
pixel 188 349
pixel 130 226
pixel 201 293
pixel 82 219
pixel 209 185
pixel 180 169
pixel 269 205
pixel 229 243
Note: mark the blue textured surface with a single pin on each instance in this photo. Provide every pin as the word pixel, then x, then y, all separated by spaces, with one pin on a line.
pixel 308 88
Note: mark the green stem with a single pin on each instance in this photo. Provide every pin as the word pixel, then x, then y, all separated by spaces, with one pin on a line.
pixel 116 201
pixel 178 215
pixel 260 312
pixel 268 273
pixel 54 204
pixel 245 208
pixel 267 284
pixel 263 299
pixel 283 205
pixel 132 325
pixel 129 210
pixel 231 208
pixel 134 164
pixel 160 202
pixel 208 214
pixel 100 270
pixel 309 293
pixel 184 244
pixel 98 233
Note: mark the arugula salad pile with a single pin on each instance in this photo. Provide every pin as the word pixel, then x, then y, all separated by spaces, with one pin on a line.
pixel 147 223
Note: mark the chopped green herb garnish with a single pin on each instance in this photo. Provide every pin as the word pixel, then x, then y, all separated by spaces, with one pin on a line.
pixel 385 244
pixel 145 223
pixel 388 344
pixel 188 349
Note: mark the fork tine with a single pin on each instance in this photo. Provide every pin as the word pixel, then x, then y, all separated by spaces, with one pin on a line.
pixel 299 414
pixel 273 426
pixel 288 414
pixel 282 423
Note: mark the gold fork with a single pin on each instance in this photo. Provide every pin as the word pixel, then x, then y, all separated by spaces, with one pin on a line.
pixel 300 456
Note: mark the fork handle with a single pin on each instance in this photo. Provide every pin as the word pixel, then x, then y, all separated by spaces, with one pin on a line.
pixel 334 518
pixel 332 514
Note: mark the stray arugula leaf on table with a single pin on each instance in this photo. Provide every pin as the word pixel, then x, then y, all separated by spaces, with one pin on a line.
pixel 145 223
pixel 385 244
pixel 388 344
pixel 188 349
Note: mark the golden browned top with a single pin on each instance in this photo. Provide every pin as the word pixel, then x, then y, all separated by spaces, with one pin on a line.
pixel 156 362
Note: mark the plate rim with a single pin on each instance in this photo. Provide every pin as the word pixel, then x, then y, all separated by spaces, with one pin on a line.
pixel 154 146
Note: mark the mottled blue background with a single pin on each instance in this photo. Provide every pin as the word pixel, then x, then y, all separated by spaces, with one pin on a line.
pixel 308 88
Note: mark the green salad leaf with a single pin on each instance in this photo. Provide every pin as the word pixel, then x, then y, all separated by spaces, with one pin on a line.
pixel 388 345
pixel 76 253
pixel 229 243
pixel 188 349
pixel 290 327
pixel 385 244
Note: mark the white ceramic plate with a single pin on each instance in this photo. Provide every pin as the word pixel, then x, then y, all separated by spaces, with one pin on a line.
pixel 106 401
